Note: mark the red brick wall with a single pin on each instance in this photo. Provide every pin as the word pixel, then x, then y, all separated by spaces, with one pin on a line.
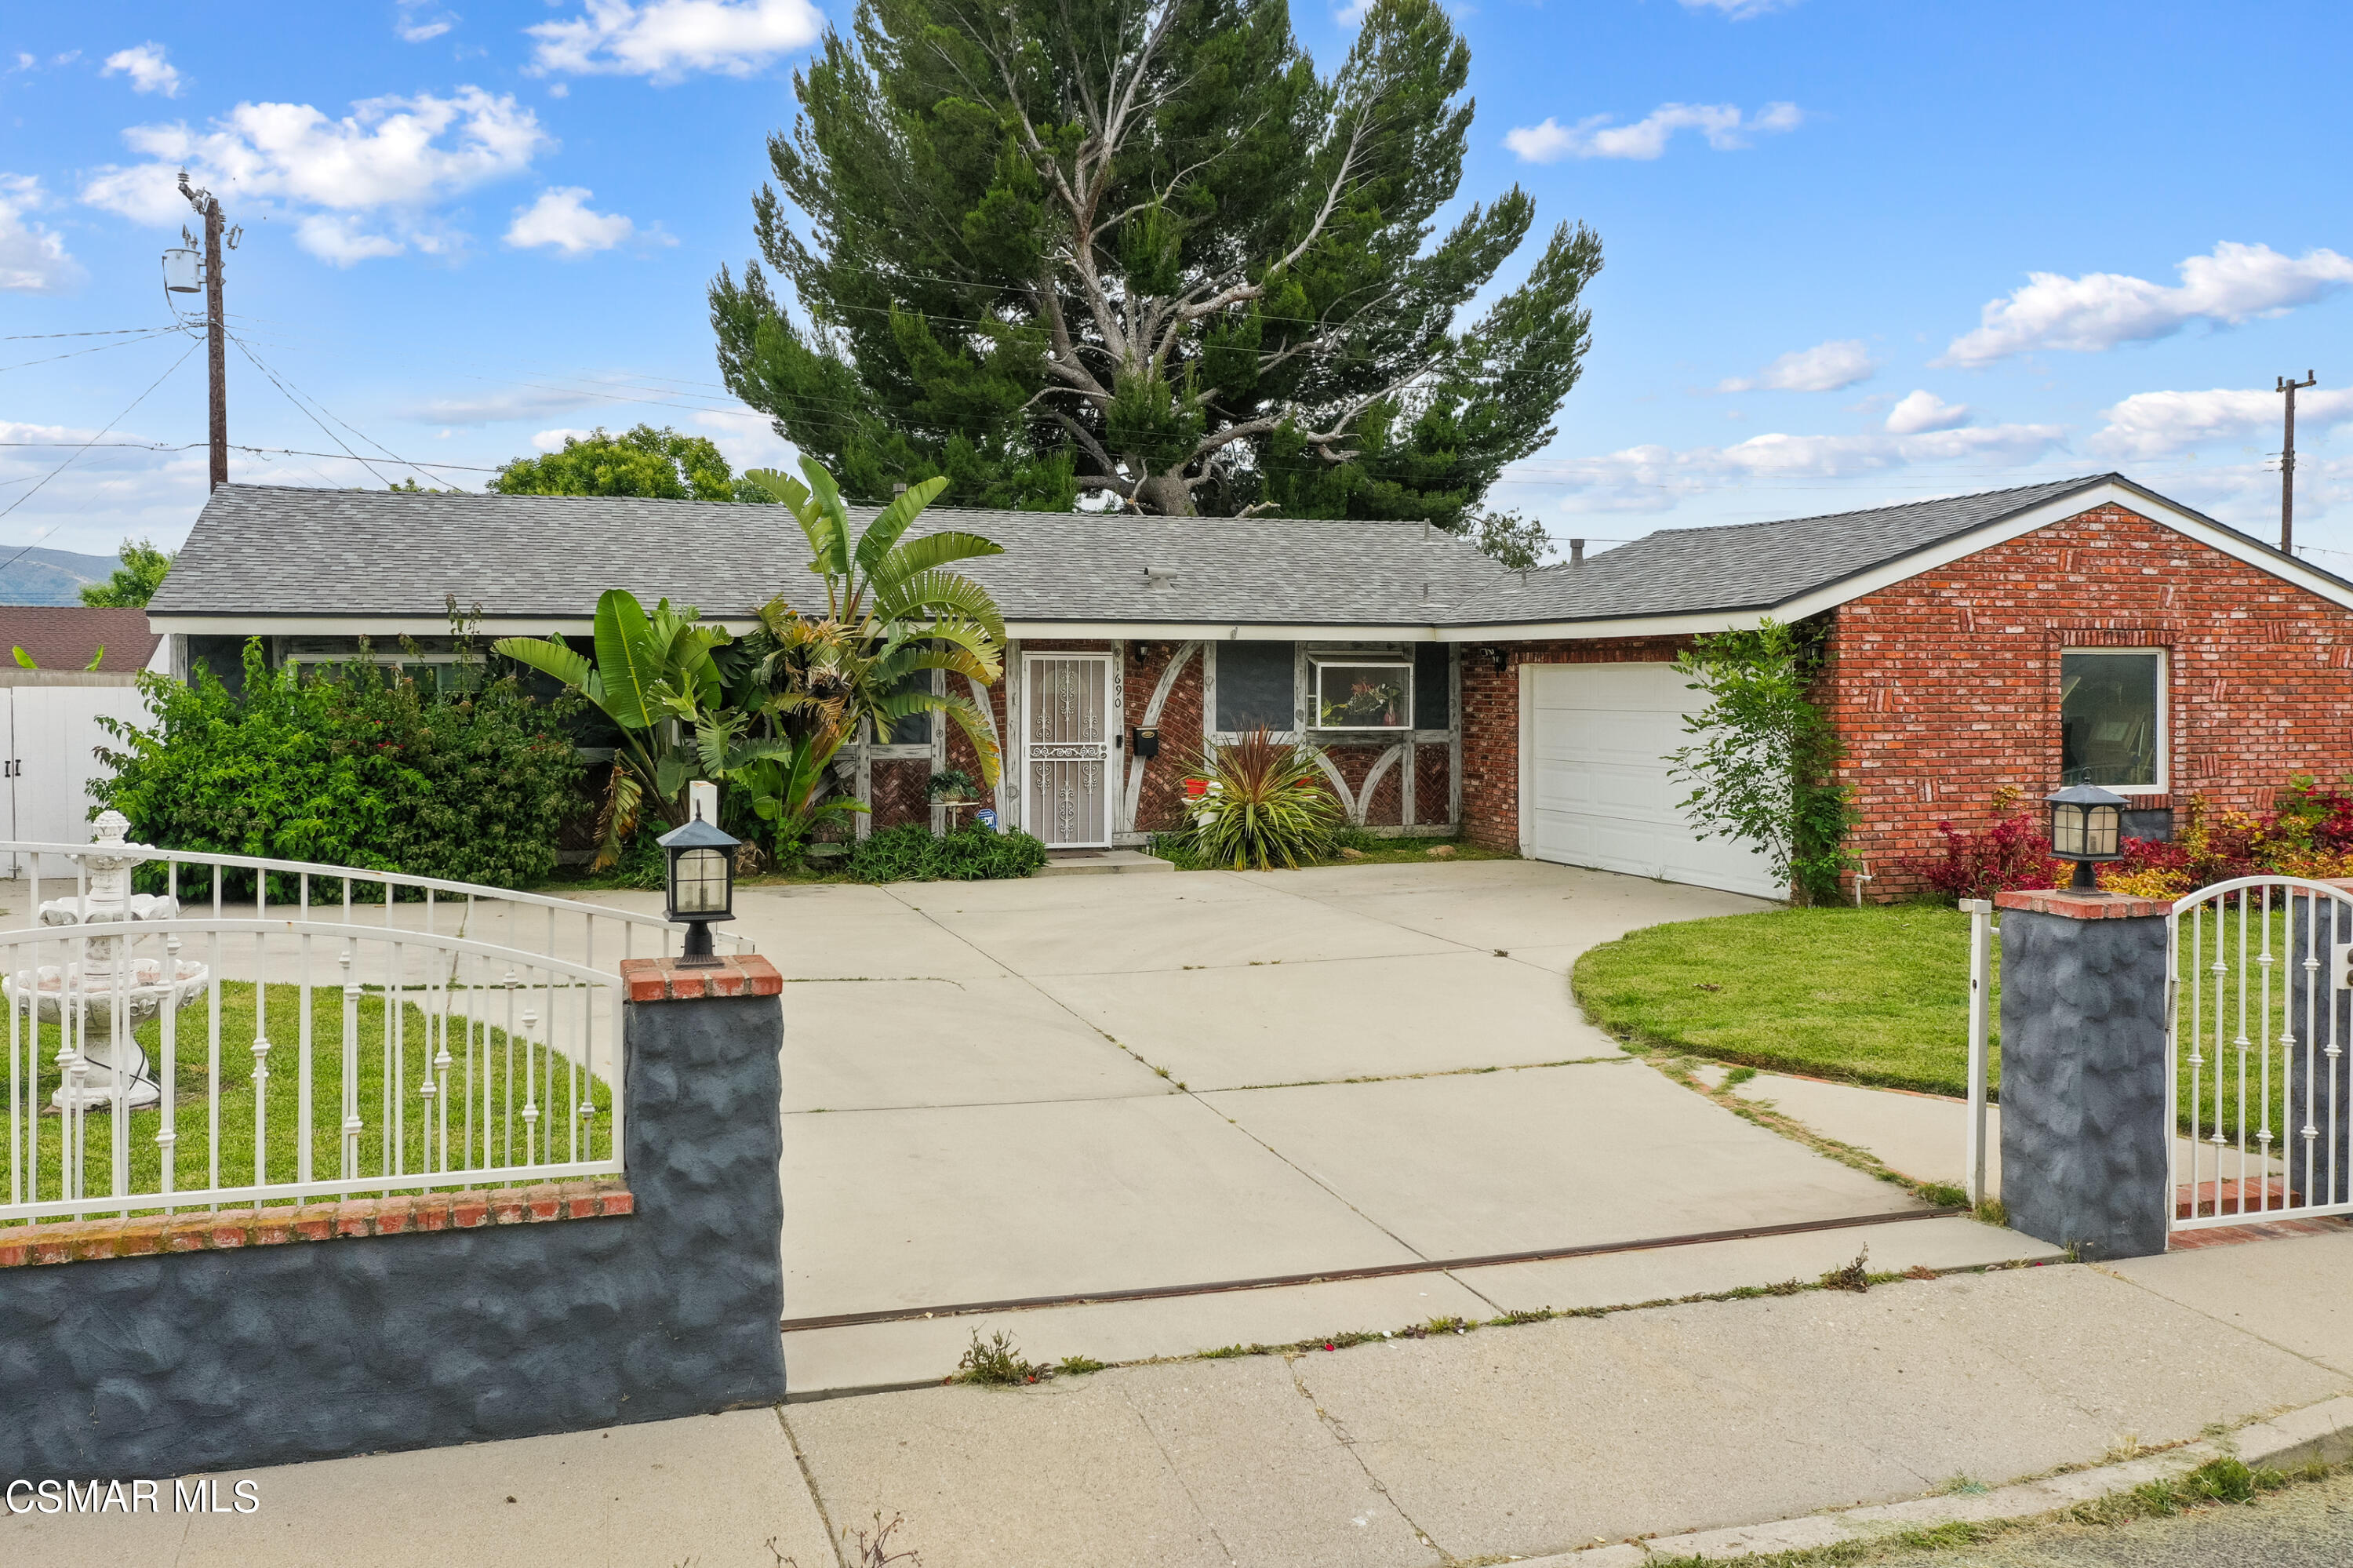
pixel 1945 685
pixel 1158 807
pixel 1491 722
pixel 1432 776
pixel 902 791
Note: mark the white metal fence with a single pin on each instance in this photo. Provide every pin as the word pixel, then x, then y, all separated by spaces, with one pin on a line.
pixel 2257 1092
pixel 162 1057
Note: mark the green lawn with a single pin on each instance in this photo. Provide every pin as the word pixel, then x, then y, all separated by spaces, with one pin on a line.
pixel 1877 995
pixel 198 1094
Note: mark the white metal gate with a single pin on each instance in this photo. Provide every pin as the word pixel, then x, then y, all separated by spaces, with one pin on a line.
pixel 2260 1015
pixel 1067 749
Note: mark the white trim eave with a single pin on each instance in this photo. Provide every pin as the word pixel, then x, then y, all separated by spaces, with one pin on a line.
pixel 2107 492
pixel 381 625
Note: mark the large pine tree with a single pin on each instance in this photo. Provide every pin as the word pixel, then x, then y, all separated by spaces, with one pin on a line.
pixel 1049 248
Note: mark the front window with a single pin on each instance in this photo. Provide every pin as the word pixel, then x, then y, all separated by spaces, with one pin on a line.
pixel 1254 686
pixel 2112 718
pixel 1364 696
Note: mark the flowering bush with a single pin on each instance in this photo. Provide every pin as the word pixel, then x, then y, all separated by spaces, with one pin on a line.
pixel 2309 833
pixel 2012 853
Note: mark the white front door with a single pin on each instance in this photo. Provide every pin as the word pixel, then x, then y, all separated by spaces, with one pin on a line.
pixel 1066 743
pixel 1595 784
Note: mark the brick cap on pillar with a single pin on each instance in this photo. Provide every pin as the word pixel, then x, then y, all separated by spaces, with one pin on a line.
pixel 663 980
pixel 2074 906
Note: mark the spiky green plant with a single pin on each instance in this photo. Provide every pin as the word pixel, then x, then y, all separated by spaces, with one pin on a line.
pixel 1264 802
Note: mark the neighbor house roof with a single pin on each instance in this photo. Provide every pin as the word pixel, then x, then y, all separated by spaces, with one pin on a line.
pixel 266 558
pixel 63 637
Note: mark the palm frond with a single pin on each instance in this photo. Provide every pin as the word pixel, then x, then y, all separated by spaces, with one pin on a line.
pixel 892 520
pixel 942 594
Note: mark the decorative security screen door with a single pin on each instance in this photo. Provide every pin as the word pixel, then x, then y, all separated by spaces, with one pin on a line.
pixel 1068 749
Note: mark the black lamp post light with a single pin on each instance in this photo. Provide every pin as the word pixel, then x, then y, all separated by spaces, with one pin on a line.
pixel 702 885
pixel 2087 827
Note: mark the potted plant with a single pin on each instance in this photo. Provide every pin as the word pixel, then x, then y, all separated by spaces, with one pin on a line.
pixel 953 786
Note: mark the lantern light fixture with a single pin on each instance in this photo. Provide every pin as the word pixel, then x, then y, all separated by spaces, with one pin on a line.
pixel 2087 827
pixel 701 885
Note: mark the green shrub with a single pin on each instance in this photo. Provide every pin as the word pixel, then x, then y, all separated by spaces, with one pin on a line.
pixel 909 853
pixel 1266 802
pixel 357 766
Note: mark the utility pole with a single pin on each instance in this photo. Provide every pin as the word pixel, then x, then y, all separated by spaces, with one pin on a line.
pixel 209 208
pixel 2287 463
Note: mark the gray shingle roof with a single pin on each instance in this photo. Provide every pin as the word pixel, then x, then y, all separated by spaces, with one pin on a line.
pixel 1757 565
pixel 261 551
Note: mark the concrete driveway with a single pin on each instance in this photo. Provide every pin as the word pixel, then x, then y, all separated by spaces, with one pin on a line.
pixel 1001 1091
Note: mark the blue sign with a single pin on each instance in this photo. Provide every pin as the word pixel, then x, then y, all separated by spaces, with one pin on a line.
pixel 987 818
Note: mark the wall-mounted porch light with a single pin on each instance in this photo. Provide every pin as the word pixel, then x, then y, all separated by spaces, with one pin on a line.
pixel 2087 827
pixel 1502 660
pixel 701 885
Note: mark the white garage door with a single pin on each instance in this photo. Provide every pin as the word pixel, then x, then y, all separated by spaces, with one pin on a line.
pixel 1594 784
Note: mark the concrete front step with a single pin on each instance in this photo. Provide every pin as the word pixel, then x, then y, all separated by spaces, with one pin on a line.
pixel 1100 862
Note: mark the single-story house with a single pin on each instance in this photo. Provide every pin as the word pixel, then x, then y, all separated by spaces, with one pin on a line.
pixel 2082 631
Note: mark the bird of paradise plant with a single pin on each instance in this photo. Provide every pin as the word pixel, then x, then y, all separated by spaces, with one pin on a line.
pixel 893 610
pixel 769 720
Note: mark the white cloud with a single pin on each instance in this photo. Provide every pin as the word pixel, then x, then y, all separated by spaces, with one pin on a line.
pixel 343 239
pixel 396 156
pixel 747 439
pixel 1654 478
pixel 552 441
pixel 416 29
pixel 1921 411
pixel 562 219
pixel 2159 424
pixel 665 39
pixel 1825 368
pixel 33 259
pixel 2101 310
pixel 148 69
pixel 517 403
pixel 1595 137
pixel 1738 10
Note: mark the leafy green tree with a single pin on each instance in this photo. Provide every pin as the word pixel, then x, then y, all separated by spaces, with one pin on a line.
pixel 662 465
pixel 1763 765
pixel 134 582
pixel 1138 249
pixel 1517 541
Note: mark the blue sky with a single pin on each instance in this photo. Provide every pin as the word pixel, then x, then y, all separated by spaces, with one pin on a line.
pixel 1857 250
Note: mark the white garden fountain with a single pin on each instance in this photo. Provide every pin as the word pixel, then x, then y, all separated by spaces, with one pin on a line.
pixel 86 991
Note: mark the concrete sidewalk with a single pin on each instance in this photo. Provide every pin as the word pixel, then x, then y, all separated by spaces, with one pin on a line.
pixel 1513 1441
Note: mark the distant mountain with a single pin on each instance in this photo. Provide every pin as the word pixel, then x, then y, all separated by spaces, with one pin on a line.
pixel 51 577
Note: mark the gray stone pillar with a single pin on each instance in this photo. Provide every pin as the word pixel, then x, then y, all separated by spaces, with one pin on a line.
pixel 2085 1151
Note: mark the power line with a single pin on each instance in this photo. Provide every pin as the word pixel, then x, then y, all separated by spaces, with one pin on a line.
pixel 315 418
pixel 95 348
pixel 110 331
pixel 93 441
